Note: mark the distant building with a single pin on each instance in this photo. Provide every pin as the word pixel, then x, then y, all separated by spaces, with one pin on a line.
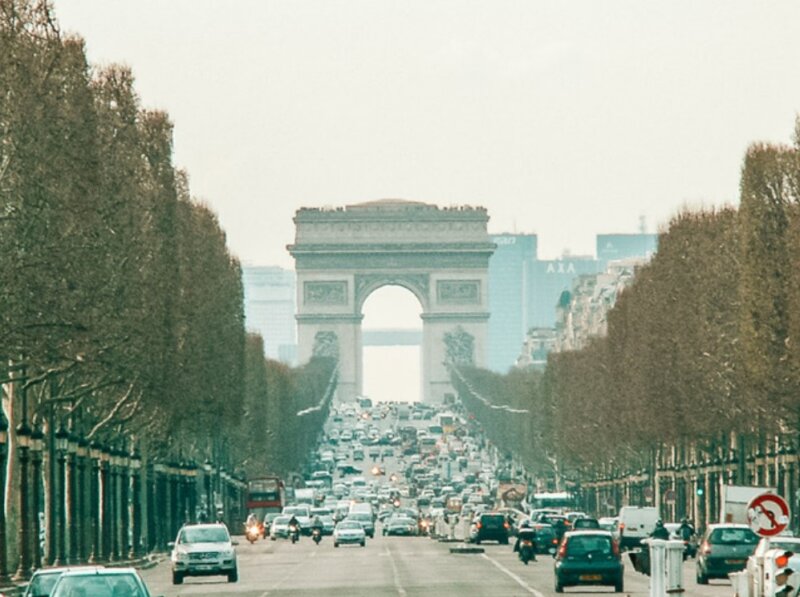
pixel 548 279
pixel 583 312
pixel 613 247
pixel 269 309
pixel 509 297
pixel 539 342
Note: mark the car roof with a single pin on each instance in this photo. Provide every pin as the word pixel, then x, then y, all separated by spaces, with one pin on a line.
pixel 206 525
pixel 585 532
pixel 101 571
pixel 727 525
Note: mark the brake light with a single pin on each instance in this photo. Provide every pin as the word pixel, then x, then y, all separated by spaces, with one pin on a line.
pixel 562 551
pixel 615 548
pixel 506 525
pixel 555 541
pixel 621 528
pixel 706 548
pixel 478 525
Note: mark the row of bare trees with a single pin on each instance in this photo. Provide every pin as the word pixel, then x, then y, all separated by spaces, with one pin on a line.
pixel 702 354
pixel 121 310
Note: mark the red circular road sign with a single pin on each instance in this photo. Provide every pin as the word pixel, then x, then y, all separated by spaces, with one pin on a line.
pixel 768 514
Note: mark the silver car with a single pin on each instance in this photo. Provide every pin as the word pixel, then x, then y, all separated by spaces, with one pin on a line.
pixel 203 550
pixel 349 531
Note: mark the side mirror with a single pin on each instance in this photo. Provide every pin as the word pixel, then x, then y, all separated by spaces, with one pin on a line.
pixel 171 544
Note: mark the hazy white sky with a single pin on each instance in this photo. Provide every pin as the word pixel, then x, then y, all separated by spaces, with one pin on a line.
pixel 563 118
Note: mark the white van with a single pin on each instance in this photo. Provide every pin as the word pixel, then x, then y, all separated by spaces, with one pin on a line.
pixel 636 523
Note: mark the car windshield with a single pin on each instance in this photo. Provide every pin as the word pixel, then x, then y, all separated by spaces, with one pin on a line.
pixel 345 525
pixel 785 545
pixel 282 520
pixel 98 585
pixel 733 537
pixel 360 516
pixel 204 535
pixel 296 510
pixel 583 544
pixel 42 584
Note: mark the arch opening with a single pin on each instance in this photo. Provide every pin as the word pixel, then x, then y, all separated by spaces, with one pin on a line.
pixel 392 345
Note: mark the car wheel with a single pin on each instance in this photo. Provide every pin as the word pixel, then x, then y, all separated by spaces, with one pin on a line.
pixel 177 578
pixel 618 586
pixel 477 541
pixel 233 576
pixel 335 544
pixel 504 541
pixel 702 579
pixel 559 587
pixel 363 544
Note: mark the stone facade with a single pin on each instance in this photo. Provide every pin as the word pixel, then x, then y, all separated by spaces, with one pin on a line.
pixel 343 255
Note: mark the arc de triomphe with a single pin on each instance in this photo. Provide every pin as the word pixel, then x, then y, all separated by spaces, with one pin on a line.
pixel 441 255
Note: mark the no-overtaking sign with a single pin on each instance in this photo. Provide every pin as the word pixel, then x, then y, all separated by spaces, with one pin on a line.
pixel 768 514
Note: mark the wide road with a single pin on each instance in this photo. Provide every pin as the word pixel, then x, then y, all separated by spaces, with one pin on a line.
pixel 392 566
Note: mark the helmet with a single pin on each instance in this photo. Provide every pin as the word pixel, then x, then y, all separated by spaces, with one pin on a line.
pixel 526 524
pixel 659 523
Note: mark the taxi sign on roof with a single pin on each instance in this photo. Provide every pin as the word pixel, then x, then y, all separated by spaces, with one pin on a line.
pixel 768 514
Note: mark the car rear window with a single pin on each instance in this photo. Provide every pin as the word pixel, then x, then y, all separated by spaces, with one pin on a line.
pixel 492 520
pixel 733 536
pixel 583 544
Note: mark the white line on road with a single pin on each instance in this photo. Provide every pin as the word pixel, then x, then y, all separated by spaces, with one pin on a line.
pixel 288 574
pixel 516 578
pixel 400 590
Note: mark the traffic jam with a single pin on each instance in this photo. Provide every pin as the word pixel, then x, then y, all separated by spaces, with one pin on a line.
pixel 388 470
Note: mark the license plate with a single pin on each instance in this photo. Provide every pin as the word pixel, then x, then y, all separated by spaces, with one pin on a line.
pixel 205 566
pixel 591 577
pixel 734 561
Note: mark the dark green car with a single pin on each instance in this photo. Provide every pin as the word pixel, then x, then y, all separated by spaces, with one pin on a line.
pixel 588 558
pixel 724 549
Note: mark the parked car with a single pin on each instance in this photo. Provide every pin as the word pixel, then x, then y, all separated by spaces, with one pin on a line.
pixel 92 581
pixel 349 531
pixel 204 550
pixel 724 549
pixel 490 526
pixel 588 558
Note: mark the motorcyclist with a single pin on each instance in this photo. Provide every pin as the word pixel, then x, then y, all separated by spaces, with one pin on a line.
pixel 252 520
pixel 660 532
pixel 526 531
pixel 686 530
pixel 316 524
pixel 293 523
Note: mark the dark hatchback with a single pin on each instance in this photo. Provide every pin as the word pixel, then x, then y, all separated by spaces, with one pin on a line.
pixel 546 540
pixel 490 527
pixel 588 558
pixel 724 549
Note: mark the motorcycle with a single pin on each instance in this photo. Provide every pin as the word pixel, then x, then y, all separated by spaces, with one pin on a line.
pixel 316 535
pixel 294 533
pixel 526 551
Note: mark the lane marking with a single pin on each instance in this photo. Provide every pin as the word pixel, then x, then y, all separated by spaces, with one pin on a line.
pixel 287 575
pixel 516 578
pixel 400 590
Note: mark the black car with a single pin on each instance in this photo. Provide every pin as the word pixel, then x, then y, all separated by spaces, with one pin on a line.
pixel 546 540
pixel 588 558
pixel 491 526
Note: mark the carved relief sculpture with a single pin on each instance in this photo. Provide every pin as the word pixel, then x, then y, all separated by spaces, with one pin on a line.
pixel 325 293
pixel 458 292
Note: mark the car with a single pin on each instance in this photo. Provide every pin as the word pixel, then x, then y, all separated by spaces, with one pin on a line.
pixel 400 525
pixel 44 579
pixel 610 524
pixel 328 524
pixel 269 518
pixel 108 582
pixel 588 557
pixel 585 523
pixel 204 550
pixel 349 531
pixel 546 540
pixel 279 529
pixel 366 521
pixel 724 548
pixel 490 526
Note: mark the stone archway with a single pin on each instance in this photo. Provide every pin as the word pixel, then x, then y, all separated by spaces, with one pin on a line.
pixel 441 255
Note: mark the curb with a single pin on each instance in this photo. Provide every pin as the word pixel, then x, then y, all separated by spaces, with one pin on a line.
pixel 449 540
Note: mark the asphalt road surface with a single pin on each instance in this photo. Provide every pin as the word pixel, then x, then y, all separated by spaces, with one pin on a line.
pixel 393 566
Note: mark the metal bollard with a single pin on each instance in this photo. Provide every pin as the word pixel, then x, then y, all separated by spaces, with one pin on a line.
pixel 658 557
pixel 675 567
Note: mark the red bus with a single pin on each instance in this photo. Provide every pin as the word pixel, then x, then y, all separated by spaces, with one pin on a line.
pixel 265 494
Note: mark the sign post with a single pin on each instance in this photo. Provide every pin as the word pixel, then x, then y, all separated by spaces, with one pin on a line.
pixel 768 514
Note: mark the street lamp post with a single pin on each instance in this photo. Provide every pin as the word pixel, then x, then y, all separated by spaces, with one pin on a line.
pixel 105 504
pixel 81 511
pixel 124 485
pixel 3 538
pixel 61 440
pixel 94 501
pixel 136 483
pixel 23 437
pixel 37 446
pixel 71 493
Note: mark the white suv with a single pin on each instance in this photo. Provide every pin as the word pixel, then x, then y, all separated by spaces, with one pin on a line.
pixel 203 550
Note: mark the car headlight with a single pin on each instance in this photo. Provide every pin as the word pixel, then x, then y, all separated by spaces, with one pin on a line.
pixel 180 556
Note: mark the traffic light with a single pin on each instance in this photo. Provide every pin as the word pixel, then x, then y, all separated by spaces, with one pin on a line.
pixel 783 574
